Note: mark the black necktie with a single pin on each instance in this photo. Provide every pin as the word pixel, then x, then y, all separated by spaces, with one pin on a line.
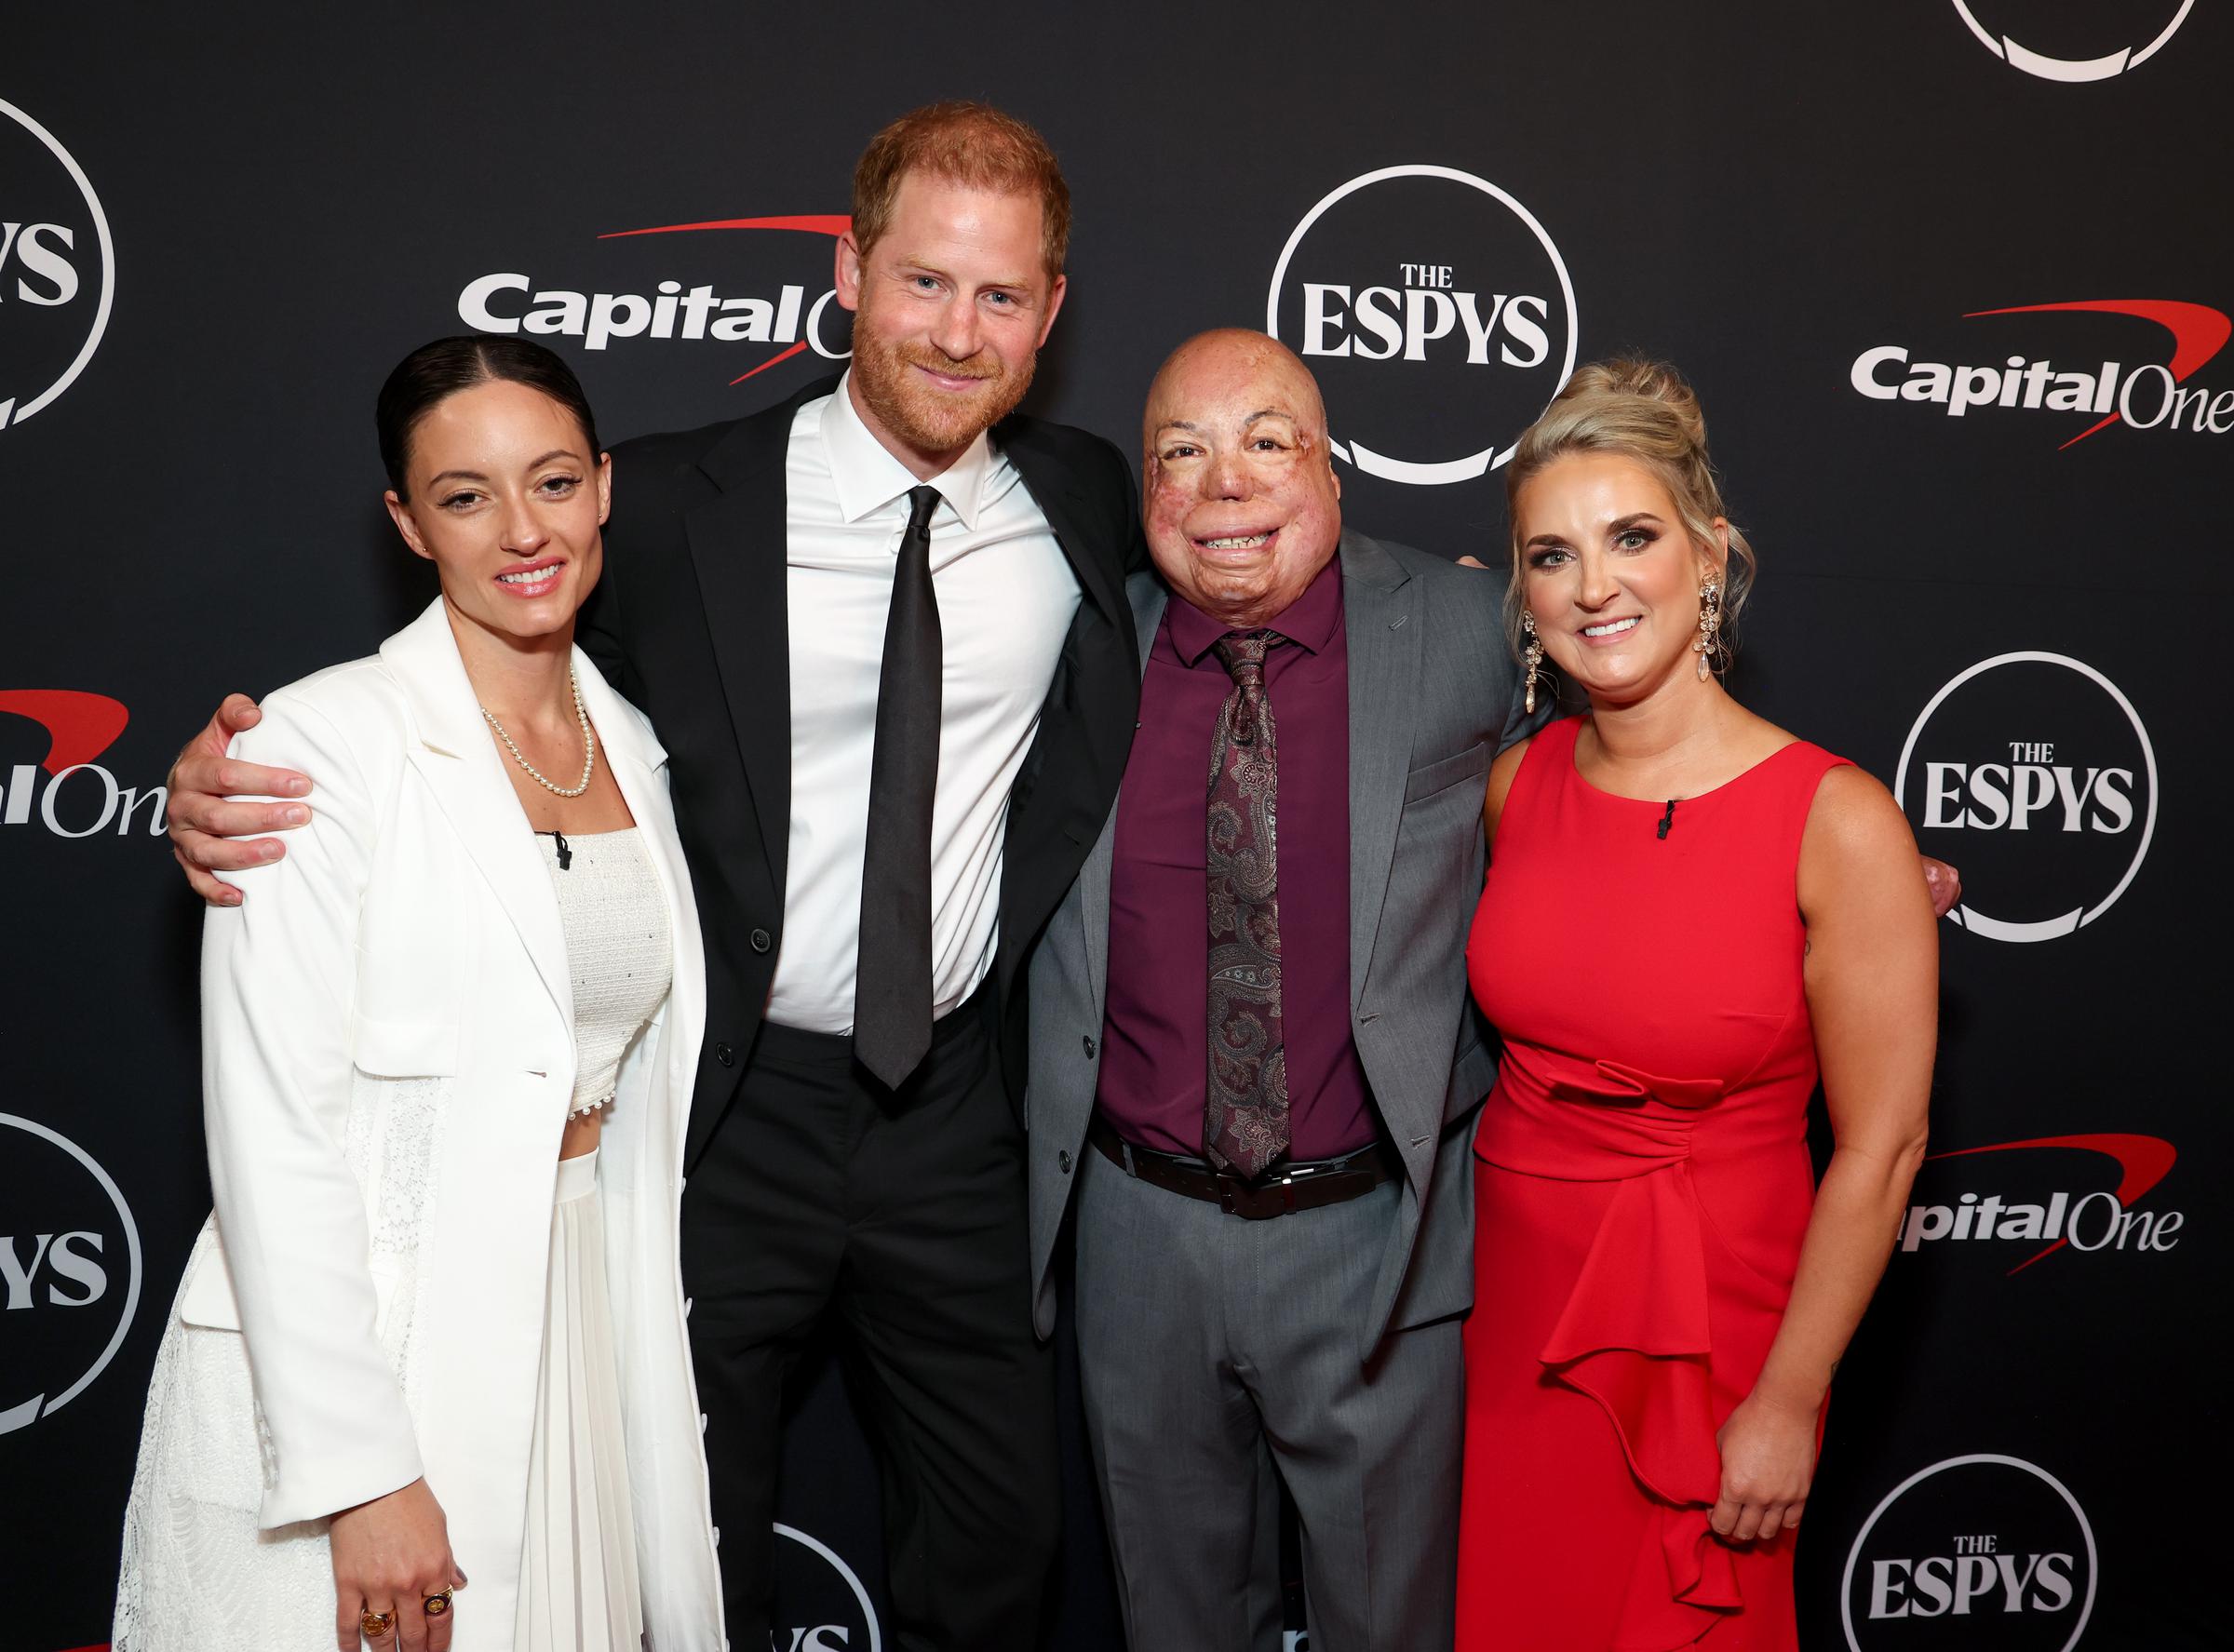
pixel 892 987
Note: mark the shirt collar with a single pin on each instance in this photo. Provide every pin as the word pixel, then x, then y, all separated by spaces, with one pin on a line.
pixel 1309 622
pixel 870 479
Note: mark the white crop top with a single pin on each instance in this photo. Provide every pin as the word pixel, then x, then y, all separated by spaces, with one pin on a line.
pixel 619 956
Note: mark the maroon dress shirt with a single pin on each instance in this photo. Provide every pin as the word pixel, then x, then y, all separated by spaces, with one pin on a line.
pixel 1156 1039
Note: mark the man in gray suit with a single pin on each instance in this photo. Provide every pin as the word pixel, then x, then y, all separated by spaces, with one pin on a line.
pixel 1255 1049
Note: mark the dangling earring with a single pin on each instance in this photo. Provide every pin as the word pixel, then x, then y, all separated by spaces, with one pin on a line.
pixel 1532 657
pixel 1710 625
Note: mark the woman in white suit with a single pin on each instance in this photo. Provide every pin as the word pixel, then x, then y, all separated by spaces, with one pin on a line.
pixel 434 1330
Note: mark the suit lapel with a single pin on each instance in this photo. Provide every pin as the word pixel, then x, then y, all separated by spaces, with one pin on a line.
pixel 465 774
pixel 1077 524
pixel 1148 597
pixel 739 545
pixel 1383 637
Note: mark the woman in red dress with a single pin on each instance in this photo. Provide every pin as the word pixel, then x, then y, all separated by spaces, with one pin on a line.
pixel 1689 915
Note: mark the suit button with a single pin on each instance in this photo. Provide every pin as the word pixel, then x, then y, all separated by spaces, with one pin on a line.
pixel 725 1055
pixel 1089 1044
pixel 1062 1163
pixel 762 940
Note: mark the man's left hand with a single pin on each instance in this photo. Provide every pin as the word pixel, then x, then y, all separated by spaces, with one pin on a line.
pixel 1945 884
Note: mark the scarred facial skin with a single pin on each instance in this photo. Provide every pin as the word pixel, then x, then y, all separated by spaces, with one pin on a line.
pixel 503 484
pixel 1612 576
pixel 950 306
pixel 1242 505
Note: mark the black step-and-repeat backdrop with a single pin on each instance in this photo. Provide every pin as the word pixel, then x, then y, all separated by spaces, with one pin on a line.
pixel 1953 277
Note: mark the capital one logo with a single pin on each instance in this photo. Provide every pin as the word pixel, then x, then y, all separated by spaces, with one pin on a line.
pixel 58 269
pixel 2033 772
pixel 79 797
pixel 1436 314
pixel 657 293
pixel 2045 1197
pixel 1973 1552
pixel 69 1270
pixel 2115 35
pixel 820 1603
pixel 2154 395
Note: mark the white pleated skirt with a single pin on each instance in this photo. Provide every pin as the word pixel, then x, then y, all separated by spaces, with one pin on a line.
pixel 578 1589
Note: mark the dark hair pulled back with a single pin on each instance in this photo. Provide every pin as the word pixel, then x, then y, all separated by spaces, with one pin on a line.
pixel 433 373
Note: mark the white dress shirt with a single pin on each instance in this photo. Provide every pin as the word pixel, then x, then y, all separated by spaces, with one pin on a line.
pixel 1006 595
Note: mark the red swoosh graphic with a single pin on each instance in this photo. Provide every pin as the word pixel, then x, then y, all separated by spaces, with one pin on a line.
pixel 820 223
pixel 2143 1161
pixel 79 726
pixel 764 365
pixel 2198 332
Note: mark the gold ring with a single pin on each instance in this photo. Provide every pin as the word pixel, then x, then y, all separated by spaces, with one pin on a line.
pixel 435 1604
pixel 375 1624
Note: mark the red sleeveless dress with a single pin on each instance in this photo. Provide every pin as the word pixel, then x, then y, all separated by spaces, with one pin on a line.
pixel 1643 1185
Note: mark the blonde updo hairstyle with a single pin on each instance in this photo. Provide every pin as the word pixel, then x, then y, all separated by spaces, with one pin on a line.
pixel 1645 411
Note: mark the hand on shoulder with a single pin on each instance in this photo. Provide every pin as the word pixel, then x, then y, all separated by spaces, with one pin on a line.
pixel 211 828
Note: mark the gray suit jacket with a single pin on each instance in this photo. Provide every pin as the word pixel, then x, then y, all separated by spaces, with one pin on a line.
pixel 1434 697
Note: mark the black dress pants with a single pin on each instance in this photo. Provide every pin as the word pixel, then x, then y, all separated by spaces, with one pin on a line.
pixel 902 1215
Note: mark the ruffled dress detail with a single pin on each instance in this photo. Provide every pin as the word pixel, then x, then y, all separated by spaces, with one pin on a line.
pixel 1643 1186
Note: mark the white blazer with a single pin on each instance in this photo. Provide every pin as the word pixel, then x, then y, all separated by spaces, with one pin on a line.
pixel 389 1056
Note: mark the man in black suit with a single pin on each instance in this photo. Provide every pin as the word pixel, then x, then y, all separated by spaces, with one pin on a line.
pixel 881 630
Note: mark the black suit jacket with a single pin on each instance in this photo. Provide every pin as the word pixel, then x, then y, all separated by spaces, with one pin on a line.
pixel 689 621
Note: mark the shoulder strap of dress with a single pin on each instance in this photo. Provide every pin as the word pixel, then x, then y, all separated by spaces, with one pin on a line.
pixel 1802 767
pixel 1550 755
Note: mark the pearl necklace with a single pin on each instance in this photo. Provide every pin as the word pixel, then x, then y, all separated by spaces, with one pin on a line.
pixel 589 746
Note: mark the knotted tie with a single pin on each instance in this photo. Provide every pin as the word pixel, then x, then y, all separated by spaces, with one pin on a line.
pixel 1245 1122
pixel 892 982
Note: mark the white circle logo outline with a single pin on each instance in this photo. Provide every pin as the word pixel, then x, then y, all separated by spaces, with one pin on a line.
pixel 2070 71
pixel 1473 464
pixel 10 412
pixel 31 1410
pixel 2046 929
pixel 868 1613
pixel 1846 1580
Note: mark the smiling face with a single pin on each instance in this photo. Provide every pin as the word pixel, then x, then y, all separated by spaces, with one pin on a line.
pixel 1242 505
pixel 507 502
pixel 951 304
pixel 1611 576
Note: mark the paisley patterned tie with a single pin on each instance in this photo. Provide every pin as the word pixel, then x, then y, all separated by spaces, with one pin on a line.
pixel 1245 1122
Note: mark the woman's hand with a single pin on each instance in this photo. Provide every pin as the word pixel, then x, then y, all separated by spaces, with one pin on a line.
pixel 1767 1465
pixel 389 1555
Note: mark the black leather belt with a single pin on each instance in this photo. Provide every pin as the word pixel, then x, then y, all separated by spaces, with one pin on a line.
pixel 1289 1188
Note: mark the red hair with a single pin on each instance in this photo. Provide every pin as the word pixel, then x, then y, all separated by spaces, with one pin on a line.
pixel 973 144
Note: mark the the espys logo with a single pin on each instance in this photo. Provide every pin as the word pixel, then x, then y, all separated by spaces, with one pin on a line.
pixel 2144 396
pixel 2032 772
pixel 1436 366
pixel 2038 1200
pixel 1973 1551
pixel 80 798
pixel 2094 46
pixel 58 269
pixel 819 1599
pixel 664 298
pixel 69 1271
